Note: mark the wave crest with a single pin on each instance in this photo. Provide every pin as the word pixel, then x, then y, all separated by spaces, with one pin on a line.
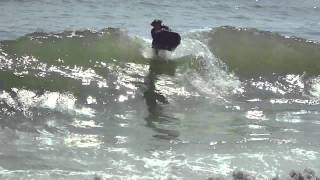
pixel 250 52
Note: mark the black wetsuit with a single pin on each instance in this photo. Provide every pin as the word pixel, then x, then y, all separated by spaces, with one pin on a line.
pixel 154 33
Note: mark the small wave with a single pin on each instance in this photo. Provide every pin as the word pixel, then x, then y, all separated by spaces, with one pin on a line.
pixel 251 52
pixel 220 63
pixel 75 47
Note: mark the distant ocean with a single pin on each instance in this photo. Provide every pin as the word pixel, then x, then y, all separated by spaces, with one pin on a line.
pixel 82 96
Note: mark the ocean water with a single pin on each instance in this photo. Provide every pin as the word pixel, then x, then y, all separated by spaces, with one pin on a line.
pixel 82 96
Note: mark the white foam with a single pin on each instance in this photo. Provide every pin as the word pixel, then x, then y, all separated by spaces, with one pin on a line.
pixel 315 87
pixel 62 102
pixel 209 77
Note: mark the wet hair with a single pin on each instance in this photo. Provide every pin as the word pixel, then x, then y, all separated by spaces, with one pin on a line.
pixel 155 22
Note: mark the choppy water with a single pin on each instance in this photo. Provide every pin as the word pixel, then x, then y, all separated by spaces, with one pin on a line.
pixel 77 103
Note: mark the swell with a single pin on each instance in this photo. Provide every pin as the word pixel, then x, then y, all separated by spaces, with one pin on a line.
pixel 108 63
pixel 84 61
pixel 66 62
pixel 251 52
pixel 76 48
pixel 69 73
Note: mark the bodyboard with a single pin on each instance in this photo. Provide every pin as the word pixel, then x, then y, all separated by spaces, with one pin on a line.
pixel 166 40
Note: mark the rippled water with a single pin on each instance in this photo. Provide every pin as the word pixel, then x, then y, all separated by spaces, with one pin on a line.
pixel 18 17
pixel 75 104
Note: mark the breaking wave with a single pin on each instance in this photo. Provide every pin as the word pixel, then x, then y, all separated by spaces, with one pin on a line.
pixel 74 70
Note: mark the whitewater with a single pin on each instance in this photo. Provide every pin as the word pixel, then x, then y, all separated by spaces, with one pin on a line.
pixel 83 97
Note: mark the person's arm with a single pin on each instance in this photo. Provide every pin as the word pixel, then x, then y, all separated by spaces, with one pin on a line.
pixel 166 28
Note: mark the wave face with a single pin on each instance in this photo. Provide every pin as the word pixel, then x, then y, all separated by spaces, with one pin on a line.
pixel 77 62
pixel 84 103
pixel 250 52
pixel 65 62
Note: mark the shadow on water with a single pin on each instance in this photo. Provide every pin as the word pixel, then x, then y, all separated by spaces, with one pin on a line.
pixel 155 99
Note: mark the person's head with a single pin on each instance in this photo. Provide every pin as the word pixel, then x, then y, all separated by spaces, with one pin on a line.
pixel 156 23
